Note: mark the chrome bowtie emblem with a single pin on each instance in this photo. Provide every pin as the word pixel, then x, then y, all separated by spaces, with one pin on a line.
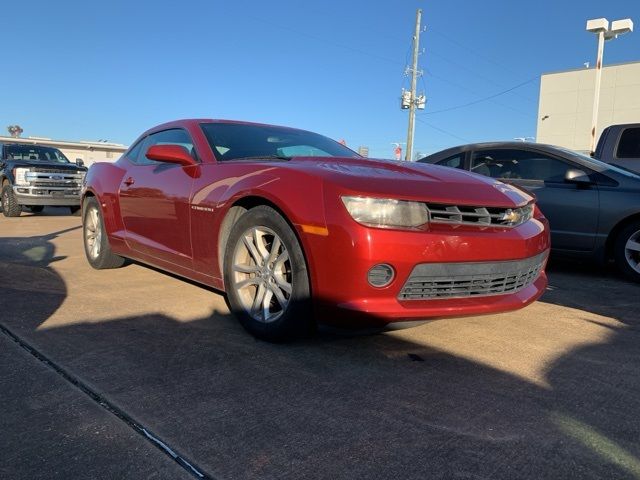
pixel 511 216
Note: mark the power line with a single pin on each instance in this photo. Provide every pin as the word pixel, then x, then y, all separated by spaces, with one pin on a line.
pixel 471 50
pixel 442 130
pixel 474 73
pixel 490 97
pixel 321 39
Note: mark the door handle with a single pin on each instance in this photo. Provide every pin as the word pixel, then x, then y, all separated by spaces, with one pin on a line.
pixel 129 181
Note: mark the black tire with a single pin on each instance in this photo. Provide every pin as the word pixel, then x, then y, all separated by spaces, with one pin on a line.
pixel 75 210
pixel 280 277
pixel 625 256
pixel 99 256
pixel 36 208
pixel 10 206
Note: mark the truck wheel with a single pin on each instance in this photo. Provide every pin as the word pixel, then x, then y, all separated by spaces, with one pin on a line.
pixel 36 208
pixel 265 276
pixel 96 243
pixel 10 206
pixel 627 251
pixel 75 211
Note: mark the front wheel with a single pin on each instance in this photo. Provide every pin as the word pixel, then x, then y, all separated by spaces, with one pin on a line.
pixel 265 275
pixel 10 206
pixel 627 251
pixel 96 243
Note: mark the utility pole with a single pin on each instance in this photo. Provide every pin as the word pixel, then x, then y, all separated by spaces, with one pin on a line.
pixel 409 99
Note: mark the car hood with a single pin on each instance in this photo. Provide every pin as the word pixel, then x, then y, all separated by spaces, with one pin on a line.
pixel 414 181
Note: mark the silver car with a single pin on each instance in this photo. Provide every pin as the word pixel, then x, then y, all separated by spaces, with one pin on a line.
pixel 593 207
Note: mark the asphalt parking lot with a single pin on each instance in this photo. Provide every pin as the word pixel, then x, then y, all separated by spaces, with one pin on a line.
pixel 104 374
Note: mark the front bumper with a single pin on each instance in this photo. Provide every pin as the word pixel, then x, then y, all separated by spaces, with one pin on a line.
pixel 27 195
pixel 340 263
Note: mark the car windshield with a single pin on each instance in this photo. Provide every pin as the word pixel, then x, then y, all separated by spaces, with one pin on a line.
pixel 599 165
pixel 34 153
pixel 236 141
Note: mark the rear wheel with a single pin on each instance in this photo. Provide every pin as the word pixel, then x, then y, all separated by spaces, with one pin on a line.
pixel 266 277
pixel 10 206
pixel 75 210
pixel 36 208
pixel 96 244
pixel 627 251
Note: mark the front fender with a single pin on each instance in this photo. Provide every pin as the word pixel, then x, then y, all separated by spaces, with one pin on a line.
pixel 102 181
pixel 298 195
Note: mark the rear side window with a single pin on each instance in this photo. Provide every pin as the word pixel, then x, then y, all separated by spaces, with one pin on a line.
pixel 518 164
pixel 629 146
pixel 456 161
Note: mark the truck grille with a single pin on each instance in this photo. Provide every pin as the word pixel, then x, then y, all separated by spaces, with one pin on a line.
pixel 479 216
pixel 471 279
pixel 55 178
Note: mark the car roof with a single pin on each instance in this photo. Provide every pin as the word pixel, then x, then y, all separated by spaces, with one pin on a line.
pixel 569 154
pixel 499 145
pixel 187 122
pixel 26 145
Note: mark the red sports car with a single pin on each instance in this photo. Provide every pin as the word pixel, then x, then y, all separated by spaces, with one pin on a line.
pixel 296 228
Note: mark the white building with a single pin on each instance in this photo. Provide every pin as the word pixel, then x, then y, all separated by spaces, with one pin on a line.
pixel 565 109
pixel 88 152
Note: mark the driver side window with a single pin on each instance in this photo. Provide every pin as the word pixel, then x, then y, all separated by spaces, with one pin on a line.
pixel 518 165
pixel 174 136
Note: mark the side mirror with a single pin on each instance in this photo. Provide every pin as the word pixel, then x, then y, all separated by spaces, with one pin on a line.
pixel 170 154
pixel 79 162
pixel 579 177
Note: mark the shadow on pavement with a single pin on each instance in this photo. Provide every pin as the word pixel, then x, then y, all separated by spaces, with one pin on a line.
pixel 593 288
pixel 336 407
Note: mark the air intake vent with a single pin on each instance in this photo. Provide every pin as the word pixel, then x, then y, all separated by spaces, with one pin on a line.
pixel 478 279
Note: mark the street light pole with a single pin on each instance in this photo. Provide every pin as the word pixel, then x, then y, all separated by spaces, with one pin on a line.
pixel 596 94
pixel 600 26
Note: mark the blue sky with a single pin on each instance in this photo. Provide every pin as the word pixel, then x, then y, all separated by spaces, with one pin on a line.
pixel 85 70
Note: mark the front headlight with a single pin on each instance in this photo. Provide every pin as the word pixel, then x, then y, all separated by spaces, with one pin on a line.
pixel 20 176
pixel 386 213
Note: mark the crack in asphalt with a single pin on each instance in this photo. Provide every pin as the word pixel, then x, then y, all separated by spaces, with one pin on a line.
pixel 187 465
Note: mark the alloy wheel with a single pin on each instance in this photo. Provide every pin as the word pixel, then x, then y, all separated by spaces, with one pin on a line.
pixel 93 233
pixel 632 251
pixel 261 274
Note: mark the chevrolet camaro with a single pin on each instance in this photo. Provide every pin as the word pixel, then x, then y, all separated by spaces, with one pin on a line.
pixel 297 229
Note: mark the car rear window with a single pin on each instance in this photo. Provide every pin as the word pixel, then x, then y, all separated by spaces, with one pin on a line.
pixel 629 146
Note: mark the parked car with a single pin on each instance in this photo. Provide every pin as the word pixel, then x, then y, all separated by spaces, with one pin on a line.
pixel 593 207
pixel 35 176
pixel 620 145
pixel 289 223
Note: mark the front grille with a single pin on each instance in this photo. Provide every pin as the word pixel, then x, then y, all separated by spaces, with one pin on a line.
pixel 55 178
pixel 471 279
pixel 479 216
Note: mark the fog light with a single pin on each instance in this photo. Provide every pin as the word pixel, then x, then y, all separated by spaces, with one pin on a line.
pixel 381 275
